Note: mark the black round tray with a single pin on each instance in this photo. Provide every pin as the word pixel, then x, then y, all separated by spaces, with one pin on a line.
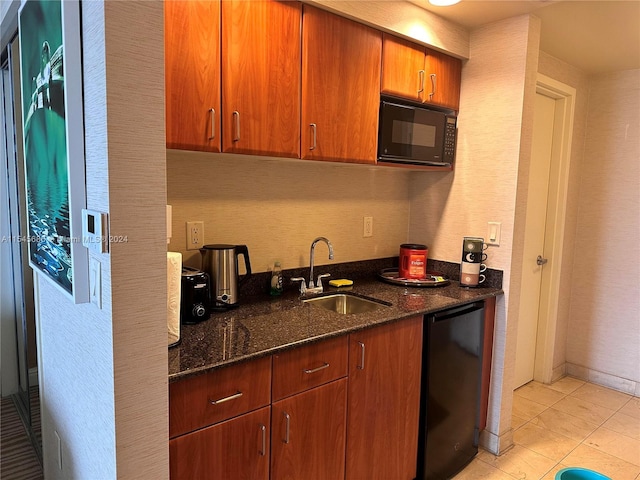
pixel 433 279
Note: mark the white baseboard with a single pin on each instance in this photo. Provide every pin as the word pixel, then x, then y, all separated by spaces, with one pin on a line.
pixel 620 384
pixel 558 372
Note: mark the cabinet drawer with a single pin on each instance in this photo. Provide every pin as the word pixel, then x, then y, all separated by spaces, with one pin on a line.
pixel 216 396
pixel 307 367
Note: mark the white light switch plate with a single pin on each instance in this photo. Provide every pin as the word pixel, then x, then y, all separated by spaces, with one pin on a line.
pixel 493 233
pixel 95 282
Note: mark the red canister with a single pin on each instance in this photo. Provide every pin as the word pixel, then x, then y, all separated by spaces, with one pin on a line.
pixel 413 261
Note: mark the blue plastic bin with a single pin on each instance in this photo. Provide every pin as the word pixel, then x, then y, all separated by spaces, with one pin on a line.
pixel 576 473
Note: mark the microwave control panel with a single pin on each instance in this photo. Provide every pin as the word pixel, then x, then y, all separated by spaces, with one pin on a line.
pixel 449 140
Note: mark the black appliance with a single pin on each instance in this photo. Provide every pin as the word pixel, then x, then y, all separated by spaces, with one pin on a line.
pixel 194 293
pixel 450 399
pixel 417 135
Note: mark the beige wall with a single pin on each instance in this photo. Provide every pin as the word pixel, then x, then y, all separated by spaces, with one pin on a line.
pixel 406 20
pixel 277 207
pixel 494 134
pixel 603 344
pixel 103 373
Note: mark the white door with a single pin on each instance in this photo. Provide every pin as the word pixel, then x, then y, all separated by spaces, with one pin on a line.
pixel 535 227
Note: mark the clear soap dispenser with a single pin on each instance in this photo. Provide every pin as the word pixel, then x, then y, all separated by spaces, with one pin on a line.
pixel 276 280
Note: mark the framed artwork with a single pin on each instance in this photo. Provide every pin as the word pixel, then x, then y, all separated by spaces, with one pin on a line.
pixel 53 140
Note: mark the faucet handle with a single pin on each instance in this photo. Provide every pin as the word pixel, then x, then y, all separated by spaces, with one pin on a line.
pixel 320 277
pixel 303 284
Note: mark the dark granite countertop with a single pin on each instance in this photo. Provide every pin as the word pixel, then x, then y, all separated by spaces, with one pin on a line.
pixel 262 325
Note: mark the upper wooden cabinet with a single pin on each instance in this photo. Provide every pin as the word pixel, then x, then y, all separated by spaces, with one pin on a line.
pixel 192 74
pixel 261 77
pixel 442 78
pixel 402 68
pixel 412 71
pixel 340 88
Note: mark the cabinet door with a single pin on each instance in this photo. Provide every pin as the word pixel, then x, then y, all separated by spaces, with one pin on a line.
pixel 403 72
pixel 192 74
pixel 340 88
pixel 237 449
pixel 443 75
pixel 261 77
pixel 384 401
pixel 309 434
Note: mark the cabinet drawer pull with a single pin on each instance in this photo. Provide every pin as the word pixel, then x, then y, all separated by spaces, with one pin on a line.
pixel 361 366
pixel 236 116
pixel 263 429
pixel 314 370
pixel 212 113
pixel 314 127
pixel 238 394
pixel 433 85
pixel 287 420
pixel 421 75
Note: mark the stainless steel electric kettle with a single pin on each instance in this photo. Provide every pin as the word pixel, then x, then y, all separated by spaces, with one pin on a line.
pixel 221 263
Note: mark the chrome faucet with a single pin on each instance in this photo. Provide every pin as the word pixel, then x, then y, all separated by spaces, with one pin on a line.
pixel 317 287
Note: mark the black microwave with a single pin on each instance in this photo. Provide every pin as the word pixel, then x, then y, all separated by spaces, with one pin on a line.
pixel 416 135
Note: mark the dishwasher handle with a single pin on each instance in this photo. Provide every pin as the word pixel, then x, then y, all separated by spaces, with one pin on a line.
pixel 455 312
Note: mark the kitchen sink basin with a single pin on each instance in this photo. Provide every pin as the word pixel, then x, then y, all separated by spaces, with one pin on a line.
pixel 345 304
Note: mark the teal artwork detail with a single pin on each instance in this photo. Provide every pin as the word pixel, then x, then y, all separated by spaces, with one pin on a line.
pixel 45 140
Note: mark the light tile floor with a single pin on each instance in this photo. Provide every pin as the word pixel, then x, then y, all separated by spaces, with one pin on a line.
pixel 570 423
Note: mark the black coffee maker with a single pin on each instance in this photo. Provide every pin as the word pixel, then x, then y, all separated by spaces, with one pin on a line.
pixel 195 290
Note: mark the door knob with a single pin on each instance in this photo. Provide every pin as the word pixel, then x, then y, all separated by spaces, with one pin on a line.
pixel 540 260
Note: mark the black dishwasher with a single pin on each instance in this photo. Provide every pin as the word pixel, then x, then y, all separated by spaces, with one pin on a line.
pixel 450 397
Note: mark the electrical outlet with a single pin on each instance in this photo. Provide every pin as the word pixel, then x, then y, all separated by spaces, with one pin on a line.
pixel 195 235
pixel 367 227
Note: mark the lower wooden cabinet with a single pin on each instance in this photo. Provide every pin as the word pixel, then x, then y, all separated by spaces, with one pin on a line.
pixel 384 401
pixel 328 414
pixel 237 449
pixel 308 434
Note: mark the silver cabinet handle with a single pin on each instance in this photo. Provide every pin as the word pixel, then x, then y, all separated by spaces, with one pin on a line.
pixel 236 117
pixel 263 429
pixel 314 370
pixel 287 420
pixel 314 127
pixel 238 394
pixel 541 261
pixel 361 366
pixel 212 113
pixel 433 85
pixel 421 74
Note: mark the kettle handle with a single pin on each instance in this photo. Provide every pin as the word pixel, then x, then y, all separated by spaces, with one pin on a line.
pixel 203 252
pixel 244 251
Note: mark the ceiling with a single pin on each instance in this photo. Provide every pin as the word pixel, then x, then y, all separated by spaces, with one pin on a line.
pixel 594 36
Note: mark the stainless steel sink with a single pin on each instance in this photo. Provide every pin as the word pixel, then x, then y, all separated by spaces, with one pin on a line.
pixel 345 304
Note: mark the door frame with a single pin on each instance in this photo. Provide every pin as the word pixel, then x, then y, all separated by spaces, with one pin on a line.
pixel 565 98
